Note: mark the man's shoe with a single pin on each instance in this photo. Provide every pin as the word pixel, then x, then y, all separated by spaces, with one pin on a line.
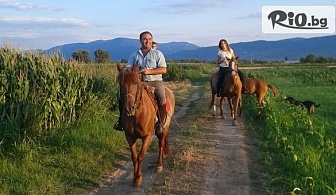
pixel 117 126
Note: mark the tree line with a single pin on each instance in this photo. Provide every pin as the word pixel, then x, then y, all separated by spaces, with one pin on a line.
pixel 102 56
pixel 311 58
pixel 83 56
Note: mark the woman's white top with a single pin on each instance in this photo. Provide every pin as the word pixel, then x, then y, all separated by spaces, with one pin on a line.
pixel 224 55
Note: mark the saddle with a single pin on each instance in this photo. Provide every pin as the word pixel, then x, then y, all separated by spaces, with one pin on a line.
pixel 150 90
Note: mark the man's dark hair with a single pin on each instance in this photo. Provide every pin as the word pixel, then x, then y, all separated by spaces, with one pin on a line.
pixel 145 32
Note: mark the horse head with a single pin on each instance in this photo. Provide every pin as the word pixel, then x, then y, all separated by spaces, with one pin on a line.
pixel 130 88
pixel 233 63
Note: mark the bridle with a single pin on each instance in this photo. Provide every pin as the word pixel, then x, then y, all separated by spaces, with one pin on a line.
pixel 233 70
pixel 138 96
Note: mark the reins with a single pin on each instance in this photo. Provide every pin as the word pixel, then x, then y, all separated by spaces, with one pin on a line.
pixel 139 91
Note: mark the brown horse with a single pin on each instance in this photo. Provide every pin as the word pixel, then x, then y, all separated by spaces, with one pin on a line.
pixel 232 90
pixel 139 117
pixel 259 87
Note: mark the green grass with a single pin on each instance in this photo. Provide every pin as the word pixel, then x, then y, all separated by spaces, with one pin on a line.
pixel 69 161
pixel 298 149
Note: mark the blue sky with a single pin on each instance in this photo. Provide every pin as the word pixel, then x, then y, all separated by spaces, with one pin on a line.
pixel 42 24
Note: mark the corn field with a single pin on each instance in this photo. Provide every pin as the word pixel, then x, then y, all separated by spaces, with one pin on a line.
pixel 38 93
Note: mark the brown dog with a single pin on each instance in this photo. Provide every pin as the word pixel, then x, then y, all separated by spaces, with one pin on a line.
pixel 309 105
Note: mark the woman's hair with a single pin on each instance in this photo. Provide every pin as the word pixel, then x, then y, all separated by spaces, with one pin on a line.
pixel 225 42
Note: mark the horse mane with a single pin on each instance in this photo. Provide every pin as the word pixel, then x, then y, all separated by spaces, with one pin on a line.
pixel 128 75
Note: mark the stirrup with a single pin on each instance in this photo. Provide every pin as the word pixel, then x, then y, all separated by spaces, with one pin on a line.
pixel 117 126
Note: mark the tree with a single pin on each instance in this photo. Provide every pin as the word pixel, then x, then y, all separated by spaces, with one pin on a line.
pixel 102 56
pixel 321 59
pixel 311 58
pixel 82 56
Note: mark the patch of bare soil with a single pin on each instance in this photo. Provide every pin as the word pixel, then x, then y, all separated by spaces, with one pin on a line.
pixel 220 159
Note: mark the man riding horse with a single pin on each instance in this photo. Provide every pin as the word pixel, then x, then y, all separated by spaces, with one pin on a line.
pixel 152 65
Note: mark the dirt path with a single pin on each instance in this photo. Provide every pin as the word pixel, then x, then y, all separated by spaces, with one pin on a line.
pixel 218 160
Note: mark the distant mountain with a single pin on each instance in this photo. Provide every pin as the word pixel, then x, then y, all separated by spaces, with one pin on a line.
pixel 119 48
pixel 293 49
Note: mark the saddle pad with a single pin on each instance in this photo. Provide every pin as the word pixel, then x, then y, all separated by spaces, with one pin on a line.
pixel 168 105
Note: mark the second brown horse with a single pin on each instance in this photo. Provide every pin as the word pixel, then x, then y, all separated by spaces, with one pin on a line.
pixel 259 87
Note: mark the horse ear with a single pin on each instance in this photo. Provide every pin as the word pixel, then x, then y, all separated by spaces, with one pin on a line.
pixel 119 66
pixel 135 66
pixel 237 58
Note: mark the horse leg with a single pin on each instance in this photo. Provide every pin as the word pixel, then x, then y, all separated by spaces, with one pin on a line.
pixel 145 144
pixel 213 104
pixel 240 106
pixel 132 144
pixel 232 108
pixel 260 98
pixel 221 105
pixel 162 145
pixel 235 110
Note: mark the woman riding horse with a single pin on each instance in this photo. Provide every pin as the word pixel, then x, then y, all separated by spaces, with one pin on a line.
pixel 232 89
pixel 225 53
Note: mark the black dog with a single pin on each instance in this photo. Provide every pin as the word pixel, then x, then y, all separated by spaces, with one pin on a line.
pixel 309 105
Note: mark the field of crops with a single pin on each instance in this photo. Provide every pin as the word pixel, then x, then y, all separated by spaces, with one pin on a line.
pixel 56 121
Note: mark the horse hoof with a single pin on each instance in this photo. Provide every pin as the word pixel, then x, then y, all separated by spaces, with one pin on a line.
pixel 223 117
pixel 159 169
pixel 137 181
pixel 234 123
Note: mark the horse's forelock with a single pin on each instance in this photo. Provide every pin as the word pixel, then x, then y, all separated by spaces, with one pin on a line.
pixel 127 75
pixel 234 62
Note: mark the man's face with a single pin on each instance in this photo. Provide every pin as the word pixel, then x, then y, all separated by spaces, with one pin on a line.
pixel 146 41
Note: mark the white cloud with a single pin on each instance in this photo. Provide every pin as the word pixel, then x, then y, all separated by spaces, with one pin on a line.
pixel 17 5
pixel 189 7
pixel 251 16
pixel 39 22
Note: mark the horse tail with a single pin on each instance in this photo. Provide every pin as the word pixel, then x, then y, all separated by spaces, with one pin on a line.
pixel 166 150
pixel 317 105
pixel 275 91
